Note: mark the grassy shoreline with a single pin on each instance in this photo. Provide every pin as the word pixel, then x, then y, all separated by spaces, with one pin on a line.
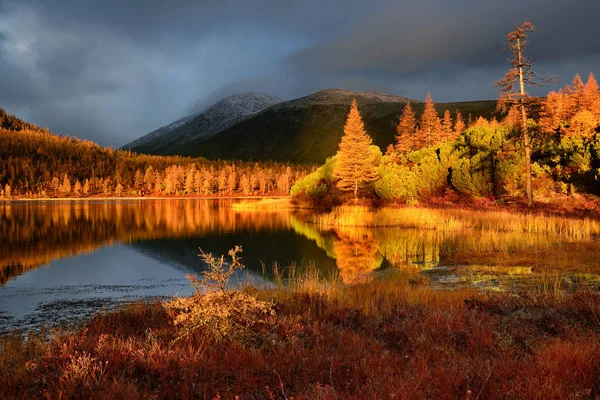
pixel 388 338
pixel 451 220
pixel 108 198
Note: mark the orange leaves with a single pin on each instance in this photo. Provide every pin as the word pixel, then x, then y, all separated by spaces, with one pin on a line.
pixel 406 130
pixel 583 124
pixel 355 164
pixel 574 110
pixel 430 126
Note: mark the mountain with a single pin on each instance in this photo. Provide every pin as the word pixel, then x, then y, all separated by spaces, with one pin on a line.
pixel 201 126
pixel 305 130
pixel 308 129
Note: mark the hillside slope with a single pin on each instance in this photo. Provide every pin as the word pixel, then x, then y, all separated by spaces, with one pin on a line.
pixel 308 130
pixel 200 126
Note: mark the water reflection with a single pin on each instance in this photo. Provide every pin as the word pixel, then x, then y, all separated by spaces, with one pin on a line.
pixel 34 235
pixel 468 257
pixel 170 231
pixel 357 254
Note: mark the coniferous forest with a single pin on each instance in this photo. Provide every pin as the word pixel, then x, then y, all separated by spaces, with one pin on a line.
pixel 448 159
pixel 433 155
pixel 38 164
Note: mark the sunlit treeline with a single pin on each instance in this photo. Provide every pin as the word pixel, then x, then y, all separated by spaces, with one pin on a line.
pixel 36 163
pixel 32 236
pixel 446 157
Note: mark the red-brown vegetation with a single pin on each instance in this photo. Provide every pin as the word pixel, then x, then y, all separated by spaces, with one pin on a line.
pixel 394 338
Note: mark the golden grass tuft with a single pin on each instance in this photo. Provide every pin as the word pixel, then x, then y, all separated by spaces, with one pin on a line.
pixel 263 204
pixel 451 220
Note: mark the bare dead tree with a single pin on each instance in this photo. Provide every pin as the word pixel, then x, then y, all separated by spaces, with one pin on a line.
pixel 512 87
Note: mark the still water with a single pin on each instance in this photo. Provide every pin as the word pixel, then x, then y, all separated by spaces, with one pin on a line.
pixel 60 262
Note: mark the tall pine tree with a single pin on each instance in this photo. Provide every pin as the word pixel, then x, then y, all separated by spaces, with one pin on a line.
pixel 430 126
pixel 459 125
pixel 355 164
pixel 591 96
pixel 447 125
pixel 406 130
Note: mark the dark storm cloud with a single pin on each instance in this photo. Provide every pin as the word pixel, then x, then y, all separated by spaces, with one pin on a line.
pixel 440 41
pixel 113 70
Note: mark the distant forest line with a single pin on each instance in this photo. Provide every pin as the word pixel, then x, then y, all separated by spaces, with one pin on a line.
pixel 38 164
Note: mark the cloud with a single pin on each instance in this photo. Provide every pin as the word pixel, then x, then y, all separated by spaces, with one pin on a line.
pixel 113 70
pixel 442 41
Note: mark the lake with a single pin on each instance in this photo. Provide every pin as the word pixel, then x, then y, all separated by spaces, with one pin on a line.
pixel 62 261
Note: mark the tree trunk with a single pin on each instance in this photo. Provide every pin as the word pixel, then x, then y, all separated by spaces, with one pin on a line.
pixel 527 144
pixel 526 141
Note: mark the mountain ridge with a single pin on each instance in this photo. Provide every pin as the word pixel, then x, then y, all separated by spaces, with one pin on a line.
pixel 307 129
pixel 204 124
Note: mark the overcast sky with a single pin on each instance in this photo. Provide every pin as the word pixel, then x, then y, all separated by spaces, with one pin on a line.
pixel 113 70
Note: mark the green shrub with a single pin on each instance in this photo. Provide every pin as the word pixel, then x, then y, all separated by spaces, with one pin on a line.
pixel 487 163
pixel 469 177
pixel 425 175
pixel 509 172
pixel 397 182
pixel 312 183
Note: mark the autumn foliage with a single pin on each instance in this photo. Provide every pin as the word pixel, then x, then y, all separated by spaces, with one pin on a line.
pixel 40 164
pixel 574 110
pixel 356 159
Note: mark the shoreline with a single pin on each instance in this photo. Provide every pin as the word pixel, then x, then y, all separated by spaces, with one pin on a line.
pixel 579 207
pixel 138 198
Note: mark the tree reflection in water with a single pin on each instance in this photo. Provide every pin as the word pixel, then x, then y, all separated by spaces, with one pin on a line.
pixel 357 254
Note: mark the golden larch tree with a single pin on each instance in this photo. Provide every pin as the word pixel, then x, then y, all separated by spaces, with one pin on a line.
pixel 447 125
pixel 459 125
pixel 430 126
pixel 354 165
pixel 575 92
pixel 583 124
pixel 406 130
pixel 553 113
pixel 512 117
pixel 591 96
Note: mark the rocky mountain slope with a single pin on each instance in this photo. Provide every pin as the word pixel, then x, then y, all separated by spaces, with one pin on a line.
pixel 202 126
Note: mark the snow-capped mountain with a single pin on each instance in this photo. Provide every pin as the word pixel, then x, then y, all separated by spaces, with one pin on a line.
pixel 204 125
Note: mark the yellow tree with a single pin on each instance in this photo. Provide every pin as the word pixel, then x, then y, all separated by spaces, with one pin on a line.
pixel 575 94
pixel 355 164
pixel 430 126
pixel 447 125
pixel 459 125
pixel 406 129
pixel 591 96
pixel 512 86
pixel 512 118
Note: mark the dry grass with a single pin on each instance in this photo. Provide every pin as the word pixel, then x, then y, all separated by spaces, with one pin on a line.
pixel 393 337
pixel 452 220
pixel 263 204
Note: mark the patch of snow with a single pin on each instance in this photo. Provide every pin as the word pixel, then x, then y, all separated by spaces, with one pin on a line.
pixel 221 115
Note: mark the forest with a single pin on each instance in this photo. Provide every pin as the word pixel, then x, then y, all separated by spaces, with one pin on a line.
pixel 38 164
pixel 447 158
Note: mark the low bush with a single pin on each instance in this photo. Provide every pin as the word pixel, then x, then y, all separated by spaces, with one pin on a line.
pixel 216 309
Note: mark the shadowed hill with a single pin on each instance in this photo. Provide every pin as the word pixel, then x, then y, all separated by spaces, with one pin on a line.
pixel 308 130
pixel 204 125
